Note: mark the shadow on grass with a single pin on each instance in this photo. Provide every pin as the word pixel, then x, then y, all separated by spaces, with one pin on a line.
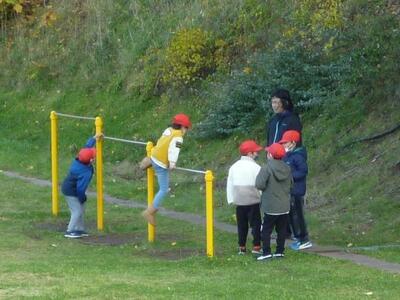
pixel 138 240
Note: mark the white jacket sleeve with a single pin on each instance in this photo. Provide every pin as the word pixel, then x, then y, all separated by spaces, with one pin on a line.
pixel 229 188
pixel 174 148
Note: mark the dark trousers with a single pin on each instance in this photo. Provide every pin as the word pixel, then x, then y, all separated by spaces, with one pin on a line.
pixel 280 223
pixel 248 215
pixel 296 219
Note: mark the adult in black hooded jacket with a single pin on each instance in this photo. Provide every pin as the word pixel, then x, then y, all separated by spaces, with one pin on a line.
pixel 284 119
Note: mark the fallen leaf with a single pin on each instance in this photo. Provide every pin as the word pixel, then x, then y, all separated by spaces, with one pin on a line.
pixel 368 293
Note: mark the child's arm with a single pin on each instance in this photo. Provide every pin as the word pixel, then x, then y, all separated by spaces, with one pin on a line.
pixel 262 178
pixel 91 142
pixel 229 188
pixel 82 185
pixel 173 151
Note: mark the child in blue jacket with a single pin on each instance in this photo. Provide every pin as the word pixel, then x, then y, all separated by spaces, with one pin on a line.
pixel 296 158
pixel 74 187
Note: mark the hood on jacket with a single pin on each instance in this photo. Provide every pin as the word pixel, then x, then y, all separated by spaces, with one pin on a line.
pixel 78 167
pixel 298 151
pixel 279 169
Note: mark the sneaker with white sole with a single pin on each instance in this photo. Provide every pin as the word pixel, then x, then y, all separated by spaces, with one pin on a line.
pixel 256 250
pixel 305 245
pixel 279 255
pixel 300 246
pixel 264 257
pixel 72 235
pixel 242 251
pixel 82 232
pixel 294 246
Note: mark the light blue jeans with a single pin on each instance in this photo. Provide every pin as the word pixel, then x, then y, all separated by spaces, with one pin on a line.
pixel 163 184
pixel 77 210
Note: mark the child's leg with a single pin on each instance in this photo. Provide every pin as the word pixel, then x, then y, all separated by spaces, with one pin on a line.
pixel 81 220
pixel 281 229
pixel 242 224
pixel 268 225
pixel 293 219
pixel 76 212
pixel 163 185
pixel 255 223
pixel 299 208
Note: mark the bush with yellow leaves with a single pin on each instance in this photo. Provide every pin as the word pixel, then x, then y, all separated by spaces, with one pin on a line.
pixel 189 57
pixel 9 8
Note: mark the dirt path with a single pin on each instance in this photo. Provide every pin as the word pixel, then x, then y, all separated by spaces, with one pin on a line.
pixel 332 252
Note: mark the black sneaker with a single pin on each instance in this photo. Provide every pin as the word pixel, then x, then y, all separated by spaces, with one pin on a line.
pixel 72 235
pixel 264 257
pixel 82 233
pixel 279 255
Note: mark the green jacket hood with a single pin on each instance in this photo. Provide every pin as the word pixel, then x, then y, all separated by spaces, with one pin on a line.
pixel 279 170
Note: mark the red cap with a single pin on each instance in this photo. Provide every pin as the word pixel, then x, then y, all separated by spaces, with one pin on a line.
pixel 183 120
pixel 290 136
pixel 277 150
pixel 249 146
pixel 86 155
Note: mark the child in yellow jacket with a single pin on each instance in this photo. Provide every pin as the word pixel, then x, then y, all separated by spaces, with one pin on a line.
pixel 164 157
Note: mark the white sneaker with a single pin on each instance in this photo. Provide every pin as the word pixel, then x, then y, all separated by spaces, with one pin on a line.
pixel 305 245
pixel 264 257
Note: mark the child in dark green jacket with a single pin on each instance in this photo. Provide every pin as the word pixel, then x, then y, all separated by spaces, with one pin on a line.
pixel 275 181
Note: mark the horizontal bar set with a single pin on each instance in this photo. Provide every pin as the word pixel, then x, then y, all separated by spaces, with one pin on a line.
pixel 99 178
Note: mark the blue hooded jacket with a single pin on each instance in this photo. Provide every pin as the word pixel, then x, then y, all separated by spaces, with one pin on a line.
pixel 297 160
pixel 79 176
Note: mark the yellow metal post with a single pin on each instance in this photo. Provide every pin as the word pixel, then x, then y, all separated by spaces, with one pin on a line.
pixel 55 207
pixel 209 213
pixel 151 230
pixel 99 174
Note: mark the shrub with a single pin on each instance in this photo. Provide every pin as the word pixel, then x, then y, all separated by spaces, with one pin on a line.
pixel 189 57
pixel 10 8
pixel 238 105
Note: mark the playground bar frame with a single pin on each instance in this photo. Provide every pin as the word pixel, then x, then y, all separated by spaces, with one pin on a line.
pixel 55 199
pixel 208 177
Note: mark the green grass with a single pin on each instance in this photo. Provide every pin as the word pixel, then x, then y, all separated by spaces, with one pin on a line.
pixel 101 61
pixel 37 261
pixel 351 197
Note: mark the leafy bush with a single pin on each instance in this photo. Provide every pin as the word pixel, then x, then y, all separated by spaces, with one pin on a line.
pixel 374 55
pixel 10 8
pixel 189 57
pixel 308 75
pixel 239 102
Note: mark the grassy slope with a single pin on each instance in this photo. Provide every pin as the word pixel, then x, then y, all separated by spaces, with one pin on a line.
pixel 353 197
pixel 38 262
pixel 353 190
